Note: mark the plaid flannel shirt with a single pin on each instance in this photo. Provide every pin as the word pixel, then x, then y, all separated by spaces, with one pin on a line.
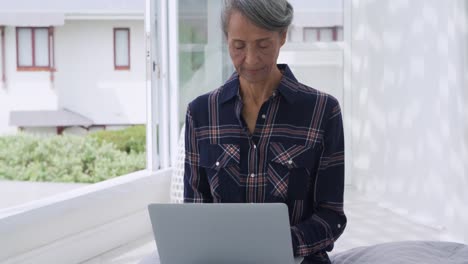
pixel 295 156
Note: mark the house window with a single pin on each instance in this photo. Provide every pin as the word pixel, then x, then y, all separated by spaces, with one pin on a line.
pixel 327 35
pixel 322 34
pixel 121 48
pixel 311 35
pixel 339 34
pixel 33 48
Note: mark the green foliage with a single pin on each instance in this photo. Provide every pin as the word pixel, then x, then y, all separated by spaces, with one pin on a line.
pixel 190 61
pixel 132 139
pixel 67 158
pixel 190 34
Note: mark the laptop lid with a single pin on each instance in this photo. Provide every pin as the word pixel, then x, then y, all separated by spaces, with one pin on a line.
pixel 222 233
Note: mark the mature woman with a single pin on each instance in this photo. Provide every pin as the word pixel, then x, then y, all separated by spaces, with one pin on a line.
pixel 263 137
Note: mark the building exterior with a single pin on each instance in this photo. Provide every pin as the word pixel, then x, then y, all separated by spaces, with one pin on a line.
pixel 71 66
pixel 315 50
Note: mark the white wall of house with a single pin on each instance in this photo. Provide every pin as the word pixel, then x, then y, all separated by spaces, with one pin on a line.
pixel 88 82
pixel 23 90
pixel 317 65
pixel 409 109
pixel 85 81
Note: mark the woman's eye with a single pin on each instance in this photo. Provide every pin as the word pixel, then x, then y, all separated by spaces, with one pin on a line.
pixel 238 45
pixel 263 45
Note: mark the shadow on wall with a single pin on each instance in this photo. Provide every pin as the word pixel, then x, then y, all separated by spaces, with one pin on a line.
pixel 408 110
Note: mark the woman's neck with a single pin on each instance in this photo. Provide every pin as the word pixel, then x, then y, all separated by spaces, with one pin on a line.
pixel 259 92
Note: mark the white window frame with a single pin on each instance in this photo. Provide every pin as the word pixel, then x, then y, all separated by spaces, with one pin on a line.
pixel 347 89
pixel 162 83
pixel 52 229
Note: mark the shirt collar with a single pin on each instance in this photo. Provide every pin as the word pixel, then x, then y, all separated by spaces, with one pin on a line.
pixel 287 86
pixel 230 88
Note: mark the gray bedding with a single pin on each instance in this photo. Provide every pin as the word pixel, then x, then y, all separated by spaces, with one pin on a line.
pixel 407 252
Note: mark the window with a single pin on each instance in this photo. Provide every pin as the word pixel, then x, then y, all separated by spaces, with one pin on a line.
pixel 322 34
pixel 121 48
pixel 203 56
pixel 311 35
pixel 33 48
pixel 327 34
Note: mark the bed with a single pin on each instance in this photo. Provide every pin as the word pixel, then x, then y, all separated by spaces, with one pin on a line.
pixel 405 252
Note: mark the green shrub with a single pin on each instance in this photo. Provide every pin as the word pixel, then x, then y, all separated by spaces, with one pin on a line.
pixel 132 139
pixel 65 158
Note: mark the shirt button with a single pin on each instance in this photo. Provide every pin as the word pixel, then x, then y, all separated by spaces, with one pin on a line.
pixel 289 162
pixel 339 226
pixel 263 116
pixel 274 93
pixel 217 163
pixel 252 175
pixel 255 146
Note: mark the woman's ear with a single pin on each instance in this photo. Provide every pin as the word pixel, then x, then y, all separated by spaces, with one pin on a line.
pixel 283 35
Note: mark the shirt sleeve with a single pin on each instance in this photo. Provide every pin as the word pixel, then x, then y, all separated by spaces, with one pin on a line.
pixel 319 232
pixel 196 186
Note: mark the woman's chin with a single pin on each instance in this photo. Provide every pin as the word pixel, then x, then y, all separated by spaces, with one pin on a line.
pixel 255 76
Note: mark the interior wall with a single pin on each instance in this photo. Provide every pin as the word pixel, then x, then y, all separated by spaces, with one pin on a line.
pixel 409 127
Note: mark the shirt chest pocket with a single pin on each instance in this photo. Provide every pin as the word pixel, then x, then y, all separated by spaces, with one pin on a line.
pixel 218 156
pixel 219 162
pixel 290 169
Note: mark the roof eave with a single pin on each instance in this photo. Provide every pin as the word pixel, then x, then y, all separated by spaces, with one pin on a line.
pixel 90 15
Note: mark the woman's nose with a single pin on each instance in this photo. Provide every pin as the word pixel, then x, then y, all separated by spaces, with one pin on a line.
pixel 251 56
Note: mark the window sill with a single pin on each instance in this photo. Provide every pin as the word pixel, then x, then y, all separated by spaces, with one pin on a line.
pixel 94 219
pixel 122 68
pixel 35 69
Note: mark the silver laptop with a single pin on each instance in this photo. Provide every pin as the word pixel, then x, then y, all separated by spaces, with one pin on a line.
pixel 222 233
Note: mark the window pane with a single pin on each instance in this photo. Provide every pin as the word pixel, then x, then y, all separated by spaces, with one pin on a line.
pixel 310 34
pixel 24 47
pixel 75 157
pixel 317 66
pixel 121 47
pixel 203 60
pixel 41 43
pixel 326 34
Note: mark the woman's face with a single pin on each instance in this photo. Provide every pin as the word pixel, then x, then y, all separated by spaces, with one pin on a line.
pixel 253 50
